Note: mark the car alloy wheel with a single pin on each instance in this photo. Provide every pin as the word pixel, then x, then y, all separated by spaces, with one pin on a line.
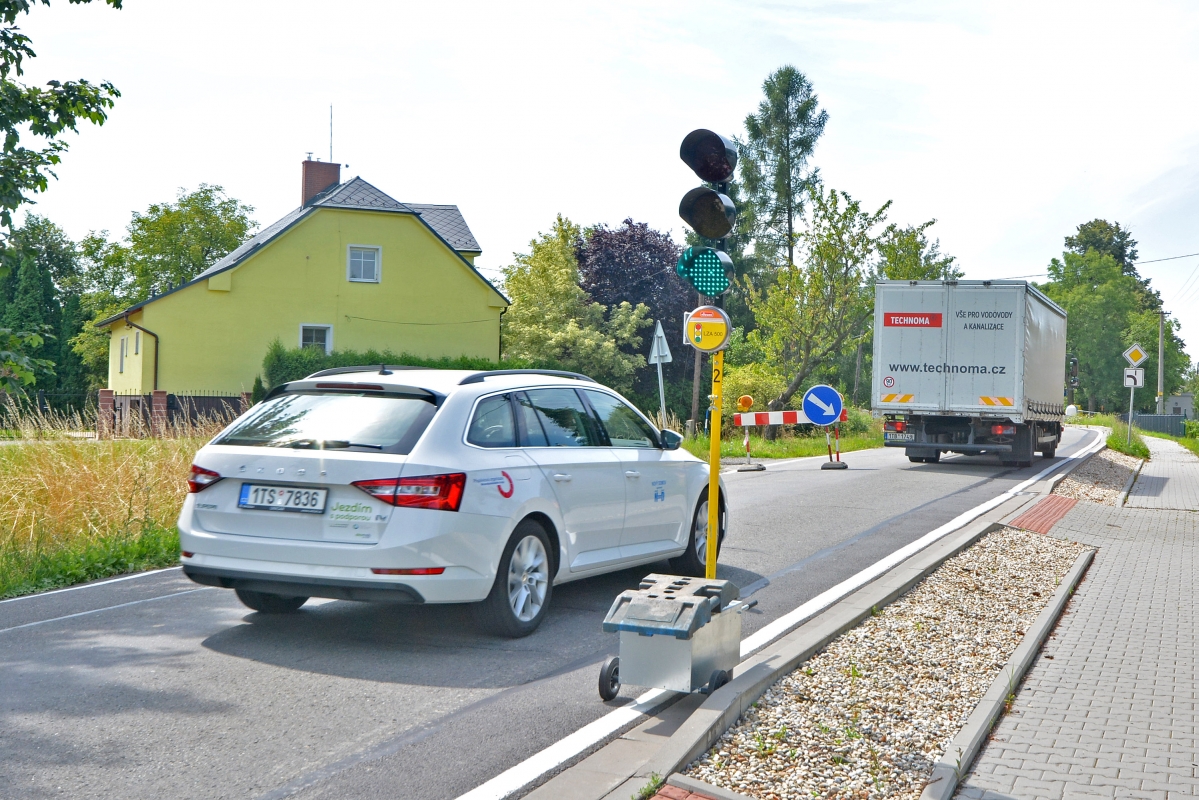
pixel 528 576
pixel 701 533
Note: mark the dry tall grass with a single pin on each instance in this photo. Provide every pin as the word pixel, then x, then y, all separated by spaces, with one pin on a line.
pixel 73 507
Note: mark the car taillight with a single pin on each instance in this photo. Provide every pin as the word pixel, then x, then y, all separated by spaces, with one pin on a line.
pixel 1003 430
pixel 439 492
pixel 416 571
pixel 897 425
pixel 200 479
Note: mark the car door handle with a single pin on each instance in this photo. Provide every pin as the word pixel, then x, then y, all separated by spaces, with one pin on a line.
pixel 562 477
pixel 632 474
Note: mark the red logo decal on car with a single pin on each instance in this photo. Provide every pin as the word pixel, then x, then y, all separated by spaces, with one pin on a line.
pixel 511 485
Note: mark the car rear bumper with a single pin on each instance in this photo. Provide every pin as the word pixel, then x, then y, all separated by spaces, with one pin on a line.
pixel 295 586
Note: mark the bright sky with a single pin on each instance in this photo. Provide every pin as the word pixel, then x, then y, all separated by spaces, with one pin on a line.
pixel 1009 122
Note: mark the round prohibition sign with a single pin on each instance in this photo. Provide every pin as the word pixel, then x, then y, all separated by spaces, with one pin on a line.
pixel 889 382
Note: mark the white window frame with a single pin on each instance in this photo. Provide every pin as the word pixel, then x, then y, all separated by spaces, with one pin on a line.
pixel 137 342
pixel 121 348
pixel 328 334
pixel 378 262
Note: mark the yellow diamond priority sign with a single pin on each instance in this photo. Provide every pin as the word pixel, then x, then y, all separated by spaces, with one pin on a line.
pixel 1135 355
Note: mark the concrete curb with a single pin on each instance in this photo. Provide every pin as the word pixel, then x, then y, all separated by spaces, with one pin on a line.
pixel 763 669
pixel 960 755
pixel 623 767
pixel 1132 479
pixel 706 789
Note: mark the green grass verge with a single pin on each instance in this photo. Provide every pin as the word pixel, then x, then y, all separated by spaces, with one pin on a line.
pixel 28 571
pixel 789 447
pixel 1118 439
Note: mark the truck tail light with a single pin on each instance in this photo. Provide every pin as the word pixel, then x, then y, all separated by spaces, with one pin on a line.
pixel 200 479
pixel 438 492
pixel 897 425
pixel 1003 430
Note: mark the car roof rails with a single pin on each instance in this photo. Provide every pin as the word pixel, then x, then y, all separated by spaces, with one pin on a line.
pixel 479 377
pixel 378 369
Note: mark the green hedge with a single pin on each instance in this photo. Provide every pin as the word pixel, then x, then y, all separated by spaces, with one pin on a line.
pixel 282 364
pixel 1191 428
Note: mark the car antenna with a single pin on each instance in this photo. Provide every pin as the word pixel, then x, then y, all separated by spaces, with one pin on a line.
pixel 383 370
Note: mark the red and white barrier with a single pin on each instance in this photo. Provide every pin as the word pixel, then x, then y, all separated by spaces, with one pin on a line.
pixel 771 418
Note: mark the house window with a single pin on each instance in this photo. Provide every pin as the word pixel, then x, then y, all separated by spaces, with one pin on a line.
pixel 121 348
pixel 137 342
pixel 364 264
pixel 317 336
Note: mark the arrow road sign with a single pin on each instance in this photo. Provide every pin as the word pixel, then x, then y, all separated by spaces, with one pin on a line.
pixel 1135 355
pixel 822 405
pixel 659 352
pixel 1134 378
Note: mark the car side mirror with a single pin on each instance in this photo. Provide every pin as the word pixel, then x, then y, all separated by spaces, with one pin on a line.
pixel 671 440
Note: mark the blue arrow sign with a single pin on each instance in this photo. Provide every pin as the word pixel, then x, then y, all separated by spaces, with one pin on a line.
pixel 822 405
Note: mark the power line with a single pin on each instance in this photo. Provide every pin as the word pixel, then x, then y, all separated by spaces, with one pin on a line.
pixel 1171 258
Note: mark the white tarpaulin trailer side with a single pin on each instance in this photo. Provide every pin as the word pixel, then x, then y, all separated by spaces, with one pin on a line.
pixel 969 349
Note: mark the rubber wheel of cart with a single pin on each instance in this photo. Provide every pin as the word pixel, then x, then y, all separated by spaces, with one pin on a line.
pixel 689 563
pixel 719 678
pixel 524 579
pixel 266 603
pixel 609 678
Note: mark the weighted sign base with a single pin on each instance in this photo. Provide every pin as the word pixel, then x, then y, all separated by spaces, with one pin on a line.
pixel 834 465
pixel 752 468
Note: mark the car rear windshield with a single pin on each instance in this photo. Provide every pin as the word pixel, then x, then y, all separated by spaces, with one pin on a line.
pixel 334 421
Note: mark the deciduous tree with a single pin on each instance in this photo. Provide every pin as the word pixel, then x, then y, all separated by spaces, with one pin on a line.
pixel 45 113
pixel 552 319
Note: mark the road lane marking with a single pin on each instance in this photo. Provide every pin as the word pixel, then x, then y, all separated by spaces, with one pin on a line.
pixel 106 608
pixel 88 585
pixel 516 778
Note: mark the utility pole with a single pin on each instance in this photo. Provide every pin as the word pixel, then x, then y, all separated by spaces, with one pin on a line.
pixel 1161 361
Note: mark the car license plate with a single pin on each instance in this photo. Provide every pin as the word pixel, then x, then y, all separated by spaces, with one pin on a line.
pixel 900 437
pixel 283 498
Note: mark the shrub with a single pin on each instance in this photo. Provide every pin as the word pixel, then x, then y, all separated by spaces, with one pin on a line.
pixel 282 364
pixel 1191 428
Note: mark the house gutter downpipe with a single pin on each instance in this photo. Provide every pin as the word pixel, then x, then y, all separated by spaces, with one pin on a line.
pixel 130 324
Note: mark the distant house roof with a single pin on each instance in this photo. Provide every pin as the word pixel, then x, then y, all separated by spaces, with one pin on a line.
pixel 446 222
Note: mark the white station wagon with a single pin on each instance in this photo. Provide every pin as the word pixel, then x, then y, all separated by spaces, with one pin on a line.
pixel 439 486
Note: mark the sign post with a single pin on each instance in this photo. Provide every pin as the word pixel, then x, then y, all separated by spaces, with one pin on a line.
pixel 822 405
pixel 659 353
pixel 707 329
pixel 1133 379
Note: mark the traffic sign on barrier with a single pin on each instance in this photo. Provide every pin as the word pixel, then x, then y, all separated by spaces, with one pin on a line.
pixel 822 405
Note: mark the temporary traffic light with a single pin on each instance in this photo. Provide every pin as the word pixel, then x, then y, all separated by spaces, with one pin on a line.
pixel 710 155
pixel 710 213
pixel 706 269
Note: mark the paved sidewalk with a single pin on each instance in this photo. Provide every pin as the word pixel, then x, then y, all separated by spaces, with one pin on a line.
pixel 1169 479
pixel 1109 709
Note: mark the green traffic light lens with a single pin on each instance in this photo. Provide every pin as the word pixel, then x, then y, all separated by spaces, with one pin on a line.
pixel 706 270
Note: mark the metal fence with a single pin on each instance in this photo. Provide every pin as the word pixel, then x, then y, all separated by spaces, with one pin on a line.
pixel 191 408
pixel 1173 424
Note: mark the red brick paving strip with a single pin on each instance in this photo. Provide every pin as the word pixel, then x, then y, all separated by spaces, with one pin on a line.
pixel 1045 514
pixel 675 793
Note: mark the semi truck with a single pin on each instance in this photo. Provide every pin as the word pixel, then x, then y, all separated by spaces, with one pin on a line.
pixel 973 367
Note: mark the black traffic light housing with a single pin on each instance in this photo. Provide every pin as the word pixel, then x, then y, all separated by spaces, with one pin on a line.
pixel 710 213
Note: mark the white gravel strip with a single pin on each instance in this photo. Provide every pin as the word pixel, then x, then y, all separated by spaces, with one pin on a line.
pixel 869 715
pixel 1101 480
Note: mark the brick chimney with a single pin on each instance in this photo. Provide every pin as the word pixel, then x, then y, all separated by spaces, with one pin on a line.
pixel 317 177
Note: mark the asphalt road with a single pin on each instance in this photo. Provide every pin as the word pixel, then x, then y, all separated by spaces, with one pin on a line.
pixel 155 687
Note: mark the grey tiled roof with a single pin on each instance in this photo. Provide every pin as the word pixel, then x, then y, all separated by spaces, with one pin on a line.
pixel 357 193
pixel 448 221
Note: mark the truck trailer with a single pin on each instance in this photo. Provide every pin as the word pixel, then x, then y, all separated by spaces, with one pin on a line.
pixel 973 367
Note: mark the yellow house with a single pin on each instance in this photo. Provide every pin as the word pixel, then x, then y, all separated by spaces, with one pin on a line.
pixel 351 269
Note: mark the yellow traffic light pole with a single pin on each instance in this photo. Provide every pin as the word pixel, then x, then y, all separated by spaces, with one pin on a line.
pixel 714 466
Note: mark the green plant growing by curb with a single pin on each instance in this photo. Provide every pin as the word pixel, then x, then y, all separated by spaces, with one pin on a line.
pixel 650 789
